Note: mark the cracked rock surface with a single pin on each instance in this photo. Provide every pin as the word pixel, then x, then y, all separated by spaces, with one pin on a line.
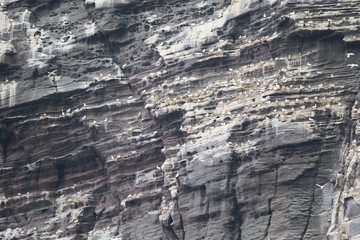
pixel 129 119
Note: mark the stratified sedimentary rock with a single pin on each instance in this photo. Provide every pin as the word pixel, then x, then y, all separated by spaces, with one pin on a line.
pixel 128 119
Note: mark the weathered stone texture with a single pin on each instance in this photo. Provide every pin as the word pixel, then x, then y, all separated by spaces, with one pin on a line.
pixel 179 119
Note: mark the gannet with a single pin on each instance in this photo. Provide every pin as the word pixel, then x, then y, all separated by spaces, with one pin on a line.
pixel 321 187
pixel 50 74
pixel 352 65
pixel 349 54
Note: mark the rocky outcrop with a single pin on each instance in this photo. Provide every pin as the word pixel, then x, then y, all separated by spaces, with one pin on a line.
pixel 179 120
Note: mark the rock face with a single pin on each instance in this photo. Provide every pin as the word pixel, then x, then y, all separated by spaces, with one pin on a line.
pixel 128 119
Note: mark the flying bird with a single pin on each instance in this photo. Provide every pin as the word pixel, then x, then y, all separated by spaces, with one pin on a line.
pixel 321 187
pixel 352 65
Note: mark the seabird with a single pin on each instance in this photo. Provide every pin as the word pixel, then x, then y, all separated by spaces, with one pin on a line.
pixel 83 118
pixel 52 73
pixel 352 65
pixel 349 54
pixel 158 168
pixel 68 111
pixel 321 187
pixel 310 119
pixel 62 112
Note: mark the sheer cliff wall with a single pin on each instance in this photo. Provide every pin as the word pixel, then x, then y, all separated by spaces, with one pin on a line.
pixel 131 119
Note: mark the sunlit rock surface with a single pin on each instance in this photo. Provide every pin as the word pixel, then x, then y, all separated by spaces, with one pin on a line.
pixel 126 119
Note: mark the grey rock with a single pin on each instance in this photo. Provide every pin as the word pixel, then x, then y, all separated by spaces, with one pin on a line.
pixel 179 120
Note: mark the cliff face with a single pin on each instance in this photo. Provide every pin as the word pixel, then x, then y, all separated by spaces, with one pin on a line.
pixel 128 119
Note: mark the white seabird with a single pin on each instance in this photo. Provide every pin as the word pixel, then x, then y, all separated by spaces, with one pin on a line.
pixel 352 65
pixel 321 187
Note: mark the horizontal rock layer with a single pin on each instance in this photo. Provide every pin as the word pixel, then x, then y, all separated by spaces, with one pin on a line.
pixel 179 120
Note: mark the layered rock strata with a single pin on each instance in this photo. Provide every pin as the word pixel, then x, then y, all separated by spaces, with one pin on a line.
pixel 179 120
